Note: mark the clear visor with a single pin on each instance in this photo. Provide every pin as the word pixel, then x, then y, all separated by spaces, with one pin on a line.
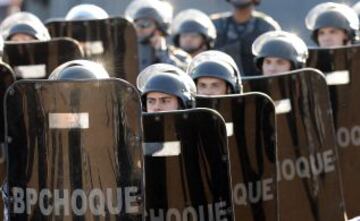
pixel 212 55
pixel 195 16
pixel 345 10
pixel 152 70
pixel 292 39
pixel 165 9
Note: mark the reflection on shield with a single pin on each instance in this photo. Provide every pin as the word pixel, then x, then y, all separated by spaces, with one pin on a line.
pixel 111 42
pixel 341 67
pixel 250 120
pixel 186 166
pixel 37 59
pixel 308 175
pixel 80 148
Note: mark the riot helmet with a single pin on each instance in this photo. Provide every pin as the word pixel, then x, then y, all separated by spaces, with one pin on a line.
pixel 244 3
pixel 79 70
pixel 28 29
pixel 159 11
pixel 86 12
pixel 25 22
pixel 168 79
pixel 193 21
pixel 216 64
pixel 280 44
pixel 334 15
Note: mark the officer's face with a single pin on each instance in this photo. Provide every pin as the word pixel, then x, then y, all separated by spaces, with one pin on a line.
pixel 145 27
pixel 331 37
pixel 274 65
pixel 156 102
pixel 211 86
pixel 20 37
pixel 191 42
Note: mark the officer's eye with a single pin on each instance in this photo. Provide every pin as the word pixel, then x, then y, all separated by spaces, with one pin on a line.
pixel 150 101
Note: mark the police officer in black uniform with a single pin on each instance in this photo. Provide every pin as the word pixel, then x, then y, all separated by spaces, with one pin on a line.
pixel 279 51
pixel 193 31
pixel 152 20
pixel 165 87
pixel 333 24
pixel 215 73
pixel 237 31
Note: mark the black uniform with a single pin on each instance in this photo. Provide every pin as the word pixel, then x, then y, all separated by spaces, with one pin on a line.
pixel 236 39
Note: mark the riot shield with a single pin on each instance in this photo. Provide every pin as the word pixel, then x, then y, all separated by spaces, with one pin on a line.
pixel 112 42
pixel 75 151
pixel 186 166
pixel 342 70
pixel 7 77
pixel 309 186
pixel 37 59
pixel 250 124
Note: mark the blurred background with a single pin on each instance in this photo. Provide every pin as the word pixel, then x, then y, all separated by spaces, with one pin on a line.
pixel 289 13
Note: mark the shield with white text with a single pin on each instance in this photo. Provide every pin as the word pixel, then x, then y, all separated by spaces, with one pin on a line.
pixel 309 186
pixel 80 148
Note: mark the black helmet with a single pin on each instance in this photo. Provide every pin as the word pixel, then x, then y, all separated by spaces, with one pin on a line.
pixel 280 44
pixel 79 70
pixel 193 21
pixel 244 3
pixel 86 12
pixel 216 64
pixel 160 11
pixel 166 78
pixel 24 18
pixel 28 29
pixel 332 14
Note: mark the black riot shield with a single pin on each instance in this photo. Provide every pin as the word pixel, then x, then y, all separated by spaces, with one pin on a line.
pixel 7 77
pixel 112 42
pixel 341 67
pixel 74 151
pixel 309 186
pixel 37 59
pixel 250 124
pixel 186 166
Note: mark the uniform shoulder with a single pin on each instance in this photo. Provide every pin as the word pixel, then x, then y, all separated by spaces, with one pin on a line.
pixel 266 20
pixel 220 18
pixel 220 15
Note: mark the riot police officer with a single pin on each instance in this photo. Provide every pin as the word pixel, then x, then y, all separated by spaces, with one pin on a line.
pixel 86 12
pixel 279 51
pixel 165 87
pixel 237 31
pixel 333 24
pixel 215 73
pixel 152 20
pixel 79 70
pixel 193 31
pixel 23 26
